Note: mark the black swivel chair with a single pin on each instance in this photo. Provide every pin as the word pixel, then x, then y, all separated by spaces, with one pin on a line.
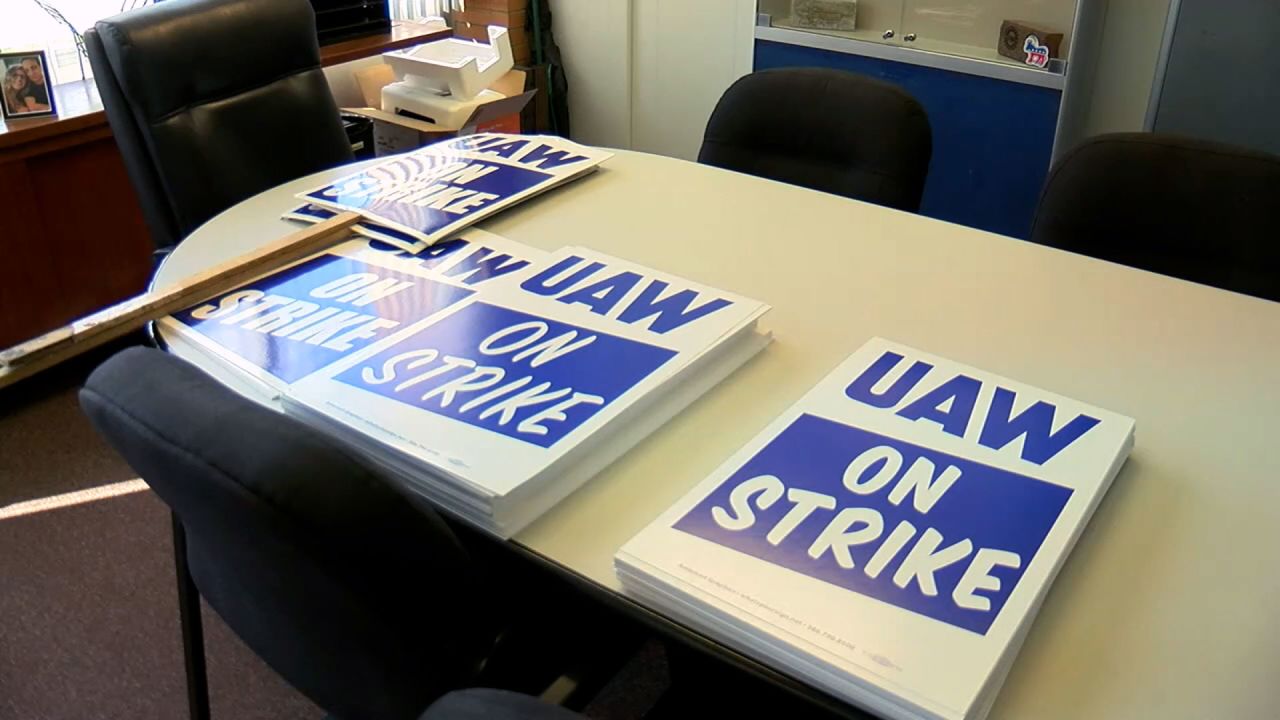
pixel 213 101
pixel 828 130
pixel 488 704
pixel 366 603
pixel 1192 209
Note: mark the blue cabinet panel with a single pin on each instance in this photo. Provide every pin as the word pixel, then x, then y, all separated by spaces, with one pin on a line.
pixel 992 139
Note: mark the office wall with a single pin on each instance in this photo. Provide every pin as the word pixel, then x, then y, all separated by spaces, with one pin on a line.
pixel 1121 86
pixel 685 54
pixel 645 74
pixel 595 38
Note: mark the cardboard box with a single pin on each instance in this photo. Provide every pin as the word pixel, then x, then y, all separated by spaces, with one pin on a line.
pixel 516 20
pixel 506 5
pixel 536 117
pixel 521 44
pixel 521 40
pixel 474 31
pixel 396 133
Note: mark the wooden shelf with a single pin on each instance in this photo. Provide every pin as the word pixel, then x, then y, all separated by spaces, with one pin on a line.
pixel 79 112
pixel 402 35
pixel 81 119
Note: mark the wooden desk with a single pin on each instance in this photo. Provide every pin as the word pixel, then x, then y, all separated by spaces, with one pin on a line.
pixel 1167 607
pixel 83 243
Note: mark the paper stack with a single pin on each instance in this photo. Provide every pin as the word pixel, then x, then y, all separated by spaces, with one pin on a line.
pixel 431 193
pixel 264 336
pixel 497 407
pixel 488 377
pixel 288 324
pixel 890 538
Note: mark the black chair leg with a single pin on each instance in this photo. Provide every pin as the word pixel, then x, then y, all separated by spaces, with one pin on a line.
pixel 192 630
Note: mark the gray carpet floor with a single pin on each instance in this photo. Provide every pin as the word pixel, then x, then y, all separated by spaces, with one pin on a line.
pixel 88 609
pixel 88 604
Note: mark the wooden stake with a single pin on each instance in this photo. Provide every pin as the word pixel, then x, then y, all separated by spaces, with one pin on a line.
pixel 32 356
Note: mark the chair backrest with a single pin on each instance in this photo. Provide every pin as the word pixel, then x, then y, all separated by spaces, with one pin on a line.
pixel 1192 209
pixel 363 601
pixel 213 101
pixel 829 130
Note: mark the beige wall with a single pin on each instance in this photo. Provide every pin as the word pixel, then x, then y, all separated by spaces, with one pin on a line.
pixel 595 38
pixel 645 74
pixel 1130 47
pixel 685 55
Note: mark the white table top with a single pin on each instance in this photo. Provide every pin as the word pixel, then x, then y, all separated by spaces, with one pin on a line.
pixel 1170 605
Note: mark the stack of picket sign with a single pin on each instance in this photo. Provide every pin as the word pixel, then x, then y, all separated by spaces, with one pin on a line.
pixel 487 376
pixel 890 538
pixel 500 405
pixel 413 203
pixel 266 335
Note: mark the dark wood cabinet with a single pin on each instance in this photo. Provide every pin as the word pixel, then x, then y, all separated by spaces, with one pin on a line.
pixel 72 237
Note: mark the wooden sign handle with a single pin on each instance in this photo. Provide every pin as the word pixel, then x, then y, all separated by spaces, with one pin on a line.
pixel 66 342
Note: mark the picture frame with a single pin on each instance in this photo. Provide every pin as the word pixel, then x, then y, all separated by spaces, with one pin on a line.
pixel 26 90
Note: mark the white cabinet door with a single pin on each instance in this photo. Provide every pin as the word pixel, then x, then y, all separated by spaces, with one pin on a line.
pixel 685 54
pixel 595 39
pixel 645 74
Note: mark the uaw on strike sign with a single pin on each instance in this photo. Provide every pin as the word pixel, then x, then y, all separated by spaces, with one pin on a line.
pixel 442 188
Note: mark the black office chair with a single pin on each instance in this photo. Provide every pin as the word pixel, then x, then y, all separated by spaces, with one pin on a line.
pixel 367 604
pixel 489 704
pixel 829 130
pixel 1192 209
pixel 213 101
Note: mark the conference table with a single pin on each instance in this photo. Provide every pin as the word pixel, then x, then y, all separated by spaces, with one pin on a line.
pixel 1169 606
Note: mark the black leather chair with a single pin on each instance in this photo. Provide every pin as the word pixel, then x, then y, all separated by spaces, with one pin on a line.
pixel 488 704
pixel 366 603
pixel 1192 209
pixel 213 101
pixel 828 130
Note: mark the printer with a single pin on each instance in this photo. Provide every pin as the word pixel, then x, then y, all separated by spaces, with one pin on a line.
pixel 443 82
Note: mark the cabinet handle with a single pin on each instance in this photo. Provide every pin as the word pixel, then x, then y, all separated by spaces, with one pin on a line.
pixel 888 35
pixel 909 37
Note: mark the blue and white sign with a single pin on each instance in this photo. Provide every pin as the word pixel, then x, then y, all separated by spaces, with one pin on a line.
pixel 305 317
pixel 520 375
pixel 897 528
pixel 924 530
pixel 433 192
pixel 624 294
pixel 468 258
pixel 499 406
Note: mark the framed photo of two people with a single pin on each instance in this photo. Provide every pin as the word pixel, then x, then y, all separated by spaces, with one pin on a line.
pixel 28 91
